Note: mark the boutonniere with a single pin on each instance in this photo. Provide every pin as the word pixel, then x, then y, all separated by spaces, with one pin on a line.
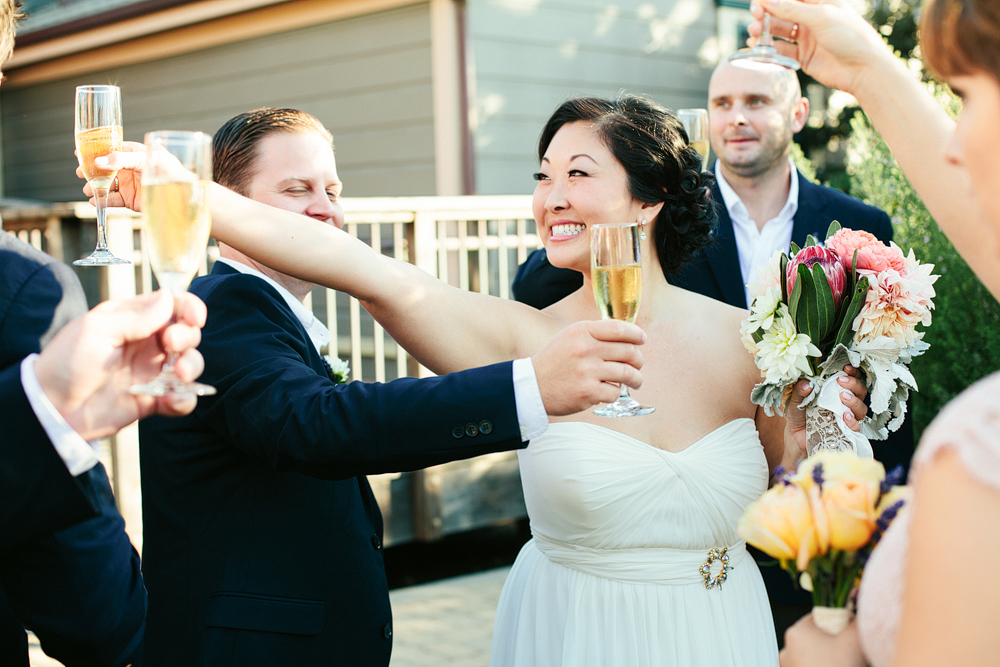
pixel 337 369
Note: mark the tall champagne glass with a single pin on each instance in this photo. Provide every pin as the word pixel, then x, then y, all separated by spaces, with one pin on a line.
pixel 763 55
pixel 98 132
pixel 616 273
pixel 695 122
pixel 176 226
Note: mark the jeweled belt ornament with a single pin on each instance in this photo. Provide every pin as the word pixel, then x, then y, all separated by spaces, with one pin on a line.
pixel 715 555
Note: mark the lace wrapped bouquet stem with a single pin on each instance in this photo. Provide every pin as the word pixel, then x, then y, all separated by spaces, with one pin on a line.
pixel 849 301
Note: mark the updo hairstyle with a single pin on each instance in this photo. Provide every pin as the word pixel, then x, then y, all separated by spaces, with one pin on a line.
pixel 651 144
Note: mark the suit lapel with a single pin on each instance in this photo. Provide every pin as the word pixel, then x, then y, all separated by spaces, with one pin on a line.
pixel 724 258
pixel 809 218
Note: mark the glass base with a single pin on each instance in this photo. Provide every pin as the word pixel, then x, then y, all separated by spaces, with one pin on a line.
pixel 626 406
pixel 100 258
pixel 164 385
pixel 762 58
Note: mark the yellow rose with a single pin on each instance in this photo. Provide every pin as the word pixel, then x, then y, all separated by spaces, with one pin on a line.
pixel 849 503
pixel 836 465
pixel 780 524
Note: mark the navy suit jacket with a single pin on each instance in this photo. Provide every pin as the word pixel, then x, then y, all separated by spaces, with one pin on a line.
pixel 67 568
pixel 715 272
pixel 262 538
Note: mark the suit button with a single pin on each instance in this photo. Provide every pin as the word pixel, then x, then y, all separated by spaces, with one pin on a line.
pixel 457 432
pixel 376 542
pixel 387 631
pixel 485 427
pixel 471 430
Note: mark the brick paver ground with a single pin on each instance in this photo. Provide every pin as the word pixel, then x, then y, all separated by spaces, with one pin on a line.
pixel 447 623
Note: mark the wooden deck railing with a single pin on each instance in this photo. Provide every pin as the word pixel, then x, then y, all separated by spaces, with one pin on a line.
pixel 474 243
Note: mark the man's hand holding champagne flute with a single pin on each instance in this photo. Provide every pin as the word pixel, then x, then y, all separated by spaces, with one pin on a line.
pixel 175 170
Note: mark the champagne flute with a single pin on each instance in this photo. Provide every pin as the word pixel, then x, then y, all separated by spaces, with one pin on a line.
pixel 176 226
pixel 98 132
pixel 763 55
pixel 695 122
pixel 616 274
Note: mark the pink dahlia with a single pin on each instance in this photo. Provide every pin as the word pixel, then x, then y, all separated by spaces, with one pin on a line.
pixel 873 255
pixel 828 260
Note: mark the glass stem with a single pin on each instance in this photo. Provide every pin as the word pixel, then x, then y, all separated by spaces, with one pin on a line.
pixel 101 204
pixel 623 392
pixel 765 35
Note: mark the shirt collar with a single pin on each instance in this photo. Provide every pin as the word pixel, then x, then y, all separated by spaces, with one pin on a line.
pixel 735 206
pixel 316 330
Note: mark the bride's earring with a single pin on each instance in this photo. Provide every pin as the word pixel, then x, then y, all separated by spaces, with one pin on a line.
pixel 642 229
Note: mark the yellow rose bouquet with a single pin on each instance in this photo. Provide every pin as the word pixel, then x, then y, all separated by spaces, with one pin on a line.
pixel 822 522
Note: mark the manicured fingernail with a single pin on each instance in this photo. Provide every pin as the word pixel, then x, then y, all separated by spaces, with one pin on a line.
pixel 844 380
pixel 848 417
pixel 846 395
pixel 848 369
pixel 101 161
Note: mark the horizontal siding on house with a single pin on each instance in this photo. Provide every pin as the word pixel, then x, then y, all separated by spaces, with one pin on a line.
pixel 368 79
pixel 527 56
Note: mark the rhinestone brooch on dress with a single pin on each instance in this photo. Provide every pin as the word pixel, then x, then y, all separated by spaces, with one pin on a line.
pixel 706 569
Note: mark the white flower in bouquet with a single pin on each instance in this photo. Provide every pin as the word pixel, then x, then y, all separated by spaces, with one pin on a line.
pixel 783 353
pixel 763 309
pixel 895 305
pixel 768 277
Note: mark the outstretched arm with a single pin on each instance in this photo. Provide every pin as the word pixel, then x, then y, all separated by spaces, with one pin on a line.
pixel 838 48
pixel 444 328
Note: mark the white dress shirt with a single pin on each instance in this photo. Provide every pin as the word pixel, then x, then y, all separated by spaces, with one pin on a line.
pixel 755 246
pixel 531 415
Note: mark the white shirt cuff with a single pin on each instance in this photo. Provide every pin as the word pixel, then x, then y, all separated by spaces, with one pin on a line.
pixel 78 455
pixel 531 415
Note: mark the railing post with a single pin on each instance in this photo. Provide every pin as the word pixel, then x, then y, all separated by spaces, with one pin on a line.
pixel 120 284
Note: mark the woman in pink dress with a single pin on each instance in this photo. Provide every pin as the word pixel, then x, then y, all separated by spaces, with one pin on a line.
pixel 929 593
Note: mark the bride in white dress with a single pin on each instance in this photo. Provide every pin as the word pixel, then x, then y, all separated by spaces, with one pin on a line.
pixel 625 513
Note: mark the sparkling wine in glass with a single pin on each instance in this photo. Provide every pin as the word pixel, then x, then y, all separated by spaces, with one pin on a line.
pixel 616 274
pixel 176 226
pixel 763 55
pixel 98 133
pixel 695 122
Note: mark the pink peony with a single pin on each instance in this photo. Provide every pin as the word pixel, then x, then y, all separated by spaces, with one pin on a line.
pixel 828 260
pixel 873 255
pixel 896 303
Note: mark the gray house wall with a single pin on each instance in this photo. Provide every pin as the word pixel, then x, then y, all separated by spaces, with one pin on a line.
pixel 367 78
pixel 527 56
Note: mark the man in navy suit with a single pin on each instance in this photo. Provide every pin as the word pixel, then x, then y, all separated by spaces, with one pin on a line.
pixel 67 569
pixel 262 538
pixel 763 204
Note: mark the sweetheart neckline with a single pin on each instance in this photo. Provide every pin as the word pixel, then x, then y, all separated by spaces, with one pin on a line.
pixel 654 447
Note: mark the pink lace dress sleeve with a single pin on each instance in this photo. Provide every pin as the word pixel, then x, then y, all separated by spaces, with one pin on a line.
pixel 970 425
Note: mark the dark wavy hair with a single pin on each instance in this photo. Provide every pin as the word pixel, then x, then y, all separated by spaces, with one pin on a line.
pixel 234 146
pixel 651 144
pixel 961 36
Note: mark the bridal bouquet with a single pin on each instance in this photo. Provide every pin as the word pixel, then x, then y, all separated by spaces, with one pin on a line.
pixel 822 523
pixel 851 300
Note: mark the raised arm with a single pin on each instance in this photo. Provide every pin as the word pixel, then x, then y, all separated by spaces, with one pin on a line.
pixel 445 328
pixel 838 48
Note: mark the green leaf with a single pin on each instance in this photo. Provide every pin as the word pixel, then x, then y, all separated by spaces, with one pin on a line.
pixel 832 229
pixel 795 249
pixel 815 314
pixel 796 296
pixel 856 303
pixel 782 277
pixel 811 241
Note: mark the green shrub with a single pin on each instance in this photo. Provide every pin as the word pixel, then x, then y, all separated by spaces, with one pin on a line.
pixel 965 334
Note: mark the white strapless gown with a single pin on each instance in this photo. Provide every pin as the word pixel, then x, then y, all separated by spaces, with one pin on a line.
pixel 620 531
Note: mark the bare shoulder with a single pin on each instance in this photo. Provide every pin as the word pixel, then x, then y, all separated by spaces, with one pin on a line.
pixel 717 324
